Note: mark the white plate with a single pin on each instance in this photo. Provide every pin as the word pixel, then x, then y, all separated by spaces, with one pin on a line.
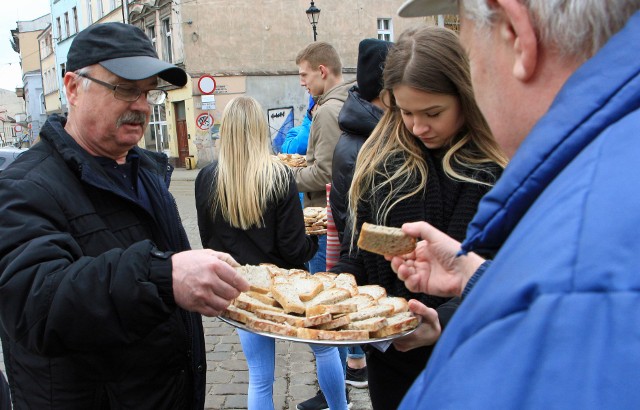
pixel 242 326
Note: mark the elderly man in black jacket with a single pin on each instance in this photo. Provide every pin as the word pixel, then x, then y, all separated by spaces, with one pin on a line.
pixel 100 298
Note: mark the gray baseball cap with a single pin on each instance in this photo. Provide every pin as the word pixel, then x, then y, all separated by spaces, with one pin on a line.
pixel 124 50
pixel 420 8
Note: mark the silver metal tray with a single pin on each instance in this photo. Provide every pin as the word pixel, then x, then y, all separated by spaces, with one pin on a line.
pixel 242 326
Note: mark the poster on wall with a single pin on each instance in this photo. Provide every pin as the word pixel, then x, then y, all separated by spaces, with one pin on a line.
pixel 280 122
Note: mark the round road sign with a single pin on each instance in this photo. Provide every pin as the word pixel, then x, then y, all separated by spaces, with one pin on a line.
pixel 204 121
pixel 207 84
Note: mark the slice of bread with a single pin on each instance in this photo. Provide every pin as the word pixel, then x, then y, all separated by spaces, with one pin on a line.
pixel 239 315
pixel 385 240
pixel 335 323
pixel 299 321
pixel 375 291
pixel 308 287
pixel 327 278
pixel 361 301
pixel 259 277
pixel 371 311
pixel 329 297
pixel 334 310
pixel 262 297
pixel 273 269
pixel 347 281
pixel 371 325
pixel 246 302
pixel 398 323
pixel 319 334
pixel 399 304
pixel 264 325
pixel 287 296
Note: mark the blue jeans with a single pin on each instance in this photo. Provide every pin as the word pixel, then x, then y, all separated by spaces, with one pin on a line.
pixel 351 352
pixel 319 261
pixel 355 352
pixel 261 358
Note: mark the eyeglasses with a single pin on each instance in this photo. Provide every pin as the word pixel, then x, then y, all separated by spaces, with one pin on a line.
pixel 126 92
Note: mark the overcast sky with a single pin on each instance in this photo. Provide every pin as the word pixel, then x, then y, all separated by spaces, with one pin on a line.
pixel 10 12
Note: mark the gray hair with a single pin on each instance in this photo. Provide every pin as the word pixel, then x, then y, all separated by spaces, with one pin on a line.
pixel 85 81
pixel 577 28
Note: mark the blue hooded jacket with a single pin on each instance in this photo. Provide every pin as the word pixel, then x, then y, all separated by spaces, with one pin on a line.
pixel 554 322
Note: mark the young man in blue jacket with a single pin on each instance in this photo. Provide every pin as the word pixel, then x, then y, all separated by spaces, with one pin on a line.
pixel 552 321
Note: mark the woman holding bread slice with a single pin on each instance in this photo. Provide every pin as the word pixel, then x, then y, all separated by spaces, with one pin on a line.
pixel 430 158
pixel 247 204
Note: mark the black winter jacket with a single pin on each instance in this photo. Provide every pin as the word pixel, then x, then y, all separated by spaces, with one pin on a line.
pixel 357 120
pixel 88 319
pixel 281 241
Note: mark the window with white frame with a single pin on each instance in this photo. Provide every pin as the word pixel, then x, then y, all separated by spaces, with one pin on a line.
pixel 151 33
pixel 66 24
pixel 167 54
pixel 59 27
pixel 76 27
pixel 89 12
pixel 385 29
pixel 100 9
pixel 112 5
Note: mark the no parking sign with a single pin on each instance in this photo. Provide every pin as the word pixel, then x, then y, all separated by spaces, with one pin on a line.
pixel 204 121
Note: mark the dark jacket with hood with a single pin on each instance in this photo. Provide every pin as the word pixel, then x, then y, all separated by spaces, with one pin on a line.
pixel 357 120
pixel 88 319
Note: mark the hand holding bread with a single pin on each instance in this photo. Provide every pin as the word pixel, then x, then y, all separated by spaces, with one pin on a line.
pixel 434 267
pixel 204 281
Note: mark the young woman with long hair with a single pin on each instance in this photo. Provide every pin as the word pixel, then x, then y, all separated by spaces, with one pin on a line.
pixel 430 158
pixel 248 206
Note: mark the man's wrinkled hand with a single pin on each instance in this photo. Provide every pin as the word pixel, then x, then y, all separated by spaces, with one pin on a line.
pixel 434 267
pixel 205 281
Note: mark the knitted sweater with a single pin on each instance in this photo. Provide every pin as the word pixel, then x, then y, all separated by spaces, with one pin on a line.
pixel 447 204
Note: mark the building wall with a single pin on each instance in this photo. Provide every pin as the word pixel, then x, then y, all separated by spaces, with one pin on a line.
pixel 10 102
pixel 245 36
pixel 34 101
pixel 48 68
pixel 63 38
pixel 250 48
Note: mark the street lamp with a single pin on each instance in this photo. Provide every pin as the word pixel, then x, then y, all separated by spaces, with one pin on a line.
pixel 313 14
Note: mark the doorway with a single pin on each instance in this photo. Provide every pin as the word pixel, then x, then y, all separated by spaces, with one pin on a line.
pixel 181 133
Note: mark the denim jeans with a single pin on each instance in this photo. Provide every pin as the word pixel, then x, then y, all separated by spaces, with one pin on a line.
pixel 260 353
pixel 319 261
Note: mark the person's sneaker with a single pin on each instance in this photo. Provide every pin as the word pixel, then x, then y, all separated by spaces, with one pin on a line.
pixel 319 402
pixel 357 377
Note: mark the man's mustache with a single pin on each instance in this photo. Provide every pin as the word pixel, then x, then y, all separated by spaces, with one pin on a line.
pixel 132 117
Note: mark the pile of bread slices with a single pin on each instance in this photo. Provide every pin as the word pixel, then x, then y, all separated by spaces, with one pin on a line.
pixel 315 220
pixel 324 306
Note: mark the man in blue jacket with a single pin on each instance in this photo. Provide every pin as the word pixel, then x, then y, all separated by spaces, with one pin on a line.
pixel 552 321
pixel 100 296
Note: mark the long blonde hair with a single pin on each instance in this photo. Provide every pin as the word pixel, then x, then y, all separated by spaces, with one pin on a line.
pixel 248 177
pixel 430 59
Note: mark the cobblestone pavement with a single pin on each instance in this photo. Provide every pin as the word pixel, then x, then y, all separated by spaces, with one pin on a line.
pixel 227 375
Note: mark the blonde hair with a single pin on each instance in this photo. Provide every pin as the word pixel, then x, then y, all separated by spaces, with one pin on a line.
pixel 248 177
pixel 321 53
pixel 430 59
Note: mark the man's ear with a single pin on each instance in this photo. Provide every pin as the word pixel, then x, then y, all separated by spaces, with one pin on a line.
pixel 71 88
pixel 323 71
pixel 517 29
